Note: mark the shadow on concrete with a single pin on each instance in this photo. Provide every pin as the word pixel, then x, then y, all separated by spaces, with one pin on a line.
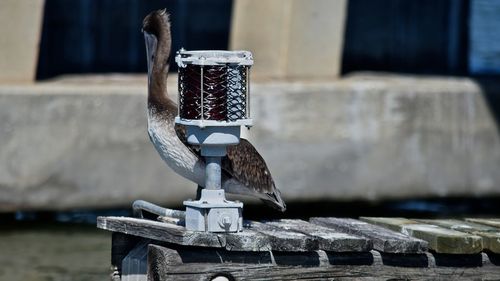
pixel 494 258
pixel 412 208
pixel 304 259
pixel 363 258
pixel 456 207
pixel 405 260
pixel 451 260
pixel 490 88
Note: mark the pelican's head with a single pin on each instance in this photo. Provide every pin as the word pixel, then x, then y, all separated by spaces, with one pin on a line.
pixel 156 29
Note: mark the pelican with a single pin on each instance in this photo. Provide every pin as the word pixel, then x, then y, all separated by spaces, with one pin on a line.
pixel 244 171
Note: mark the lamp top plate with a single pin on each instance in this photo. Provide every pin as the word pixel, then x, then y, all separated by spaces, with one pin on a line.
pixel 213 57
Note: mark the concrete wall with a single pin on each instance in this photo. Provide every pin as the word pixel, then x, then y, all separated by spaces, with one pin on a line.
pixel 291 38
pixel 20 28
pixel 82 142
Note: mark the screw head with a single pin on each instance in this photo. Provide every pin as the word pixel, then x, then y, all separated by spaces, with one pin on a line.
pixel 225 221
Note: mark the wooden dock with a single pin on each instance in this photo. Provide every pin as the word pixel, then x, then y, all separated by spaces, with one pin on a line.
pixel 318 249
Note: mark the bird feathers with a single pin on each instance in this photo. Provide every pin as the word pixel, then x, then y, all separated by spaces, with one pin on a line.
pixel 244 171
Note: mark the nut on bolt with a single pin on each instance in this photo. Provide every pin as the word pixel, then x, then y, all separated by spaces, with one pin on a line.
pixel 225 221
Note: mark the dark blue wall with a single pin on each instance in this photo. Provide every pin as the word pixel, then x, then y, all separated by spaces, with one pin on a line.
pixel 96 36
pixel 417 36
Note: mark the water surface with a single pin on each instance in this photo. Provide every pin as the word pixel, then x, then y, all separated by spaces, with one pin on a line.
pixel 53 252
pixel 67 246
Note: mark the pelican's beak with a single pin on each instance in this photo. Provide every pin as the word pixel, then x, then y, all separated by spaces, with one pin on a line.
pixel 151 43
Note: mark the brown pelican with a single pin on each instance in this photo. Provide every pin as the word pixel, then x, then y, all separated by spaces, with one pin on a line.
pixel 244 171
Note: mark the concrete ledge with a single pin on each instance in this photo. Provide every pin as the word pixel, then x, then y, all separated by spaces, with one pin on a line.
pixel 21 28
pixel 81 142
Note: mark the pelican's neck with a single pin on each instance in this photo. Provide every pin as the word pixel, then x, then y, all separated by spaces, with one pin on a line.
pixel 158 98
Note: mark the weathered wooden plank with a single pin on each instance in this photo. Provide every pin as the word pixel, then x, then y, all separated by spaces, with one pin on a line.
pixel 440 239
pixel 247 240
pixel 328 239
pixel 489 234
pixel 158 231
pixel 384 240
pixel 490 222
pixel 188 263
pixel 284 240
pixel 394 224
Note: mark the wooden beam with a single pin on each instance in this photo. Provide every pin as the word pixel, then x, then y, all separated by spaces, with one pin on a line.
pixel 328 239
pixel 490 222
pixel 489 234
pixel 284 240
pixel 441 240
pixel 193 263
pixel 166 232
pixel 158 231
pixel 384 240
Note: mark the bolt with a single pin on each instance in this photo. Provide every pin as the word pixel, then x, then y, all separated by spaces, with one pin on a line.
pixel 220 278
pixel 225 221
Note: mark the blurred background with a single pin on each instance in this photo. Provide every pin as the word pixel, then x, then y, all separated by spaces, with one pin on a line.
pixel 361 107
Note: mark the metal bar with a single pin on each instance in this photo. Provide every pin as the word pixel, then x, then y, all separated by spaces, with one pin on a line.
pixel 247 96
pixel 140 205
pixel 212 172
pixel 181 74
pixel 205 218
pixel 201 93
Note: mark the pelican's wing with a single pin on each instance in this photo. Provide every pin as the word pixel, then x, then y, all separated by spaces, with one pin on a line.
pixel 180 130
pixel 244 163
